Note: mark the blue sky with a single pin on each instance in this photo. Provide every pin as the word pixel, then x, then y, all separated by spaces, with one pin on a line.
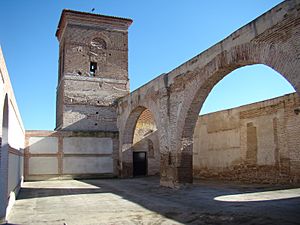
pixel 164 34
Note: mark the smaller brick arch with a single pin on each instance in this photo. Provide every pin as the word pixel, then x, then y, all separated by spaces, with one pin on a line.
pixel 100 39
pixel 127 139
pixel 98 43
pixel 4 159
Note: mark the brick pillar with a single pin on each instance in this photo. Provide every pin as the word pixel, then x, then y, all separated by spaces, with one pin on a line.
pixel 176 169
pixel 167 170
pixel 185 167
pixel 126 162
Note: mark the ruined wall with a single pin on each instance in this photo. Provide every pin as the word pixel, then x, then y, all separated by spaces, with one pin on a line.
pixel 12 143
pixel 146 140
pixel 254 143
pixel 67 154
pixel 176 97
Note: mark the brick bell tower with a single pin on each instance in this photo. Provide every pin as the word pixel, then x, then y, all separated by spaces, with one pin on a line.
pixel 93 70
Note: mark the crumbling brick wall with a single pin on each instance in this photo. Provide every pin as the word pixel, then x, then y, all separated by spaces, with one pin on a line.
pixel 253 143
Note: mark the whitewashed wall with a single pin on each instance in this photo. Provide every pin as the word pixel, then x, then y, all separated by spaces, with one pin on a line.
pixel 66 154
pixel 11 157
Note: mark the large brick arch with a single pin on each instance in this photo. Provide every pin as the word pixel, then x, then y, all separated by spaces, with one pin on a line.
pixel 175 98
pixel 282 58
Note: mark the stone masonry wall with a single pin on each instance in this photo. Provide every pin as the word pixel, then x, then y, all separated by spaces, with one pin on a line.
pixel 253 143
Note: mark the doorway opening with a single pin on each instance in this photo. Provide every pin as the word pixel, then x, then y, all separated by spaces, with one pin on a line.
pixel 145 145
pixel 139 164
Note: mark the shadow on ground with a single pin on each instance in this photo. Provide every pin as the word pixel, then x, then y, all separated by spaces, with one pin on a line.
pixel 192 204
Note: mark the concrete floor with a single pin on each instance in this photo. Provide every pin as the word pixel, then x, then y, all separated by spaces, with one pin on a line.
pixel 142 201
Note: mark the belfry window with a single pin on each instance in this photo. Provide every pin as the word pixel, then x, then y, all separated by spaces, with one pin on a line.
pixel 93 68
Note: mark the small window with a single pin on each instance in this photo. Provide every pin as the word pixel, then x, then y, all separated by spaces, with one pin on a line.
pixel 93 68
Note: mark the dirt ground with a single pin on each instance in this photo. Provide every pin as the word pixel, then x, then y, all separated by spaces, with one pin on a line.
pixel 143 201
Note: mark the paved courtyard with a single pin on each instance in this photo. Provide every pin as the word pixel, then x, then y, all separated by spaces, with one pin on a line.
pixel 143 201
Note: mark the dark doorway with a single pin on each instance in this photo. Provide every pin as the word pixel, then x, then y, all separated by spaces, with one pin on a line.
pixel 139 163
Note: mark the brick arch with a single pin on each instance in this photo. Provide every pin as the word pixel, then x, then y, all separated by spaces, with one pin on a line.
pixel 99 43
pixel 197 89
pixel 4 159
pixel 103 37
pixel 177 96
pixel 144 125
pixel 127 136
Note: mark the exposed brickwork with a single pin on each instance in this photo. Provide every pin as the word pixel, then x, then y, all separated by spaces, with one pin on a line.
pixel 145 139
pixel 261 111
pixel 246 173
pixel 254 149
pixel 93 100
pixel 175 98
pixel 93 70
pixel 144 126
